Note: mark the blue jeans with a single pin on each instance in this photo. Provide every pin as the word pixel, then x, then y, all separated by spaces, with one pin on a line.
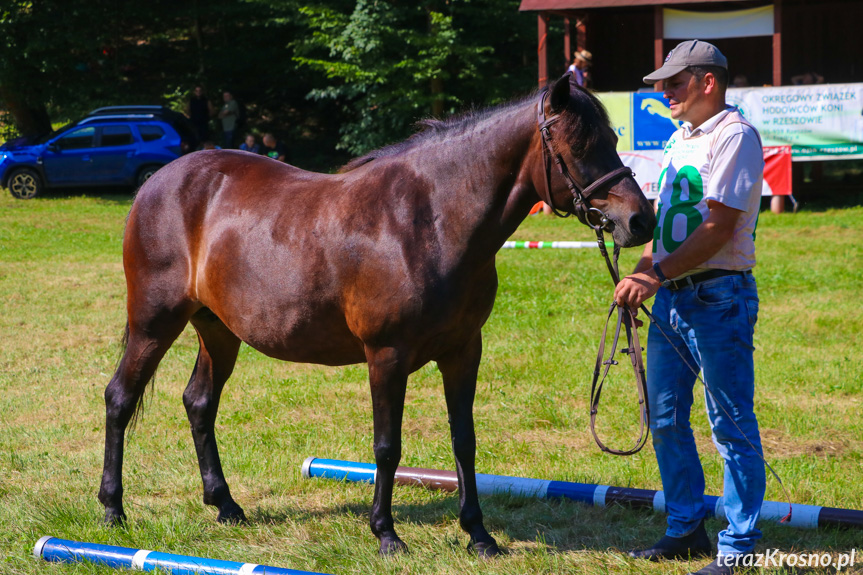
pixel 711 324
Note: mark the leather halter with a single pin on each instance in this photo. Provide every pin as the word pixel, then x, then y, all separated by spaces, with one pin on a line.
pixel 580 196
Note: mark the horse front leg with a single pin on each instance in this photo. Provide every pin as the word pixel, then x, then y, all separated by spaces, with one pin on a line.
pixel 459 370
pixel 388 378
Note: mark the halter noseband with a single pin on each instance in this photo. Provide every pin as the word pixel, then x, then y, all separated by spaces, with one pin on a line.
pixel 580 197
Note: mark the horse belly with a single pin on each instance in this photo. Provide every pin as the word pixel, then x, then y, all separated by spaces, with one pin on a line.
pixel 321 339
pixel 298 329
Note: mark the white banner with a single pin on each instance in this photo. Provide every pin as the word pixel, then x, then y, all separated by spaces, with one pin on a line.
pixel 819 122
pixel 684 24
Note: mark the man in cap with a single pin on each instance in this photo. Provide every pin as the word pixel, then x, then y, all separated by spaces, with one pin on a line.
pixel 699 267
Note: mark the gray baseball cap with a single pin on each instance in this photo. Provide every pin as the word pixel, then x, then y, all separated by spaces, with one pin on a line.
pixel 686 54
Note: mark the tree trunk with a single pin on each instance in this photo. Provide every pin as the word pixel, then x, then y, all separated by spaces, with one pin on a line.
pixel 198 35
pixel 437 102
pixel 31 120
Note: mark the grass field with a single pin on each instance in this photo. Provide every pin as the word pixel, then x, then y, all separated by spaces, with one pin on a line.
pixel 61 317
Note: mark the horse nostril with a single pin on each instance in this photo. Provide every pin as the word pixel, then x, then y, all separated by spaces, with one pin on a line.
pixel 641 226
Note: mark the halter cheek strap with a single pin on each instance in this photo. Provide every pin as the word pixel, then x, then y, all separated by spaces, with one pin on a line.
pixel 581 197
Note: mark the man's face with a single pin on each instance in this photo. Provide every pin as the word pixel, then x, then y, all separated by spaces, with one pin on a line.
pixel 684 95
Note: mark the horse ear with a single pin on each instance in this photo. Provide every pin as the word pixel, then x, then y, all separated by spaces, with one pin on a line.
pixel 560 93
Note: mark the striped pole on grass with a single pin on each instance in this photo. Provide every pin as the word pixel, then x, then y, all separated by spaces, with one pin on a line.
pixel 65 551
pixel 803 516
pixel 554 245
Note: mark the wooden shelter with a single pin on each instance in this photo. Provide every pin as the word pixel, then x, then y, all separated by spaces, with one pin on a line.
pixel 630 38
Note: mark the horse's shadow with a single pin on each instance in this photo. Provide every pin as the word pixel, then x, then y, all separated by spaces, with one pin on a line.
pixel 564 526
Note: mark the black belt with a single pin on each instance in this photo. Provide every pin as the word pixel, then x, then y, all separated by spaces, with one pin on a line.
pixel 690 281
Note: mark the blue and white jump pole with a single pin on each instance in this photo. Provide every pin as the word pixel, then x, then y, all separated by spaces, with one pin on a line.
pixel 803 516
pixel 65 551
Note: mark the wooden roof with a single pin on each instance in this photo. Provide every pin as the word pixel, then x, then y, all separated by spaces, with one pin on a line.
pixel 552 5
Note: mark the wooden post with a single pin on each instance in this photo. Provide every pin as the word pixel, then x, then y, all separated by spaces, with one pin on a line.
pixel 567 41
pixel 658 33
pixel 777 204
pixel 777 42
pixel 581 32
pixel 542 49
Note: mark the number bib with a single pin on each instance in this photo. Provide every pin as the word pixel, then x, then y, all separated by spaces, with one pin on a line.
pixel 685 185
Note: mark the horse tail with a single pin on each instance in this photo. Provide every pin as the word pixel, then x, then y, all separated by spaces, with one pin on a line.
pixel 139 409
pixel 124 343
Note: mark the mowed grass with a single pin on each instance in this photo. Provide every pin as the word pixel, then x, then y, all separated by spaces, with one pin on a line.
pixel 62 311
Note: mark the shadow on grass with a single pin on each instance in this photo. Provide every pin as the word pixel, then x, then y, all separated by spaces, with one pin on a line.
pixel 560 525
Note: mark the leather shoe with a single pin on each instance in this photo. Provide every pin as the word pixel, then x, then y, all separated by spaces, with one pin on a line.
pixel 696 544
pixel 723 565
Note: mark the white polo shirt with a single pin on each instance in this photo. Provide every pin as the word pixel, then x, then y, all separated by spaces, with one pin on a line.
pixel 721 160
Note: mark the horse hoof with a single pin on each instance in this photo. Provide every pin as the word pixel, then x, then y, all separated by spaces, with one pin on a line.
pixel 114 518
pixel 392 547
pixel 484 550
pixel 232 514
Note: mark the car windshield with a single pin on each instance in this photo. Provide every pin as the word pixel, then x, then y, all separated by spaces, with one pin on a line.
pixel 44 138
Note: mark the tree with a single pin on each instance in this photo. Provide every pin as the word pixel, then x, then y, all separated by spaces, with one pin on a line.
pixel 392 63
pixel 329 78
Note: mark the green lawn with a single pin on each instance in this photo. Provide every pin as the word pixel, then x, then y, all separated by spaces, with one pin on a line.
pixel 62 302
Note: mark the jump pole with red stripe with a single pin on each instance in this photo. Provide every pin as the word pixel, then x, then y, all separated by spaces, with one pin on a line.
pixel 557 245
pixel 802 516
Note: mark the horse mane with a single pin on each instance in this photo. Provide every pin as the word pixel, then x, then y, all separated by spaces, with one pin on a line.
pixel 582 113
pixel 431 130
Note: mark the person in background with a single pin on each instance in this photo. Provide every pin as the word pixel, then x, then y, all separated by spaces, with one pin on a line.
pixel 740 81
pixel 807 78
pixel 250 145
pixel 228 114
pixel 272 148
pixel 582 59
pixel 699 267
pixel 200 110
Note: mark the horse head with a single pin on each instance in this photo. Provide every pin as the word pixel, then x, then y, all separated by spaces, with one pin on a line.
pixel 591 180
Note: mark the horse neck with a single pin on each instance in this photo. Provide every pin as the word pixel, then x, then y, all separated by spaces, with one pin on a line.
pixel 488 175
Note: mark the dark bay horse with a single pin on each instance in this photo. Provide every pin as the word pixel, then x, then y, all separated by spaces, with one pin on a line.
pixel 390 262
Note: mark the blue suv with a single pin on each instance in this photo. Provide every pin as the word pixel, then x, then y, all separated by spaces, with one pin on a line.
pixel 117 145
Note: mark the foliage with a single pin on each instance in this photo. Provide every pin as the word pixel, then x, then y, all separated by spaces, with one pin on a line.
pixel 391 63
pixel 322 74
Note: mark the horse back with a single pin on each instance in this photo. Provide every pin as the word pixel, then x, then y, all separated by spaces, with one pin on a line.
pixel 302 266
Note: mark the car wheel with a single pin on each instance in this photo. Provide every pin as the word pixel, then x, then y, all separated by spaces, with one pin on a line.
pixel 25 184
pixel 146 173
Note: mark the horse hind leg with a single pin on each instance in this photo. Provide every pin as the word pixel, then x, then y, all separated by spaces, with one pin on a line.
pixel 145 347
pixel 459 370
pixel 216 358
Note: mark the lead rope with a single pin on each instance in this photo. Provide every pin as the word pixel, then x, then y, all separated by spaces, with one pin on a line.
pixel 634 351
pixel 626 319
